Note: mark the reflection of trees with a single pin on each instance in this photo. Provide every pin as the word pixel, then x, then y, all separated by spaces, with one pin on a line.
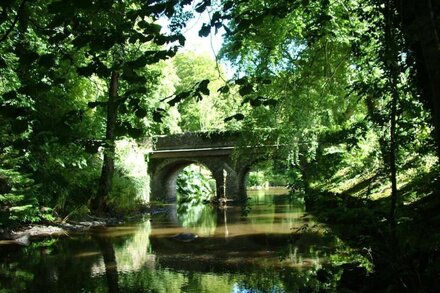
pixel 111 267
pixel 131 255
pixel 199 216
pixel 277 281
pixel 136 252
pixel 151 280
pixel 50 266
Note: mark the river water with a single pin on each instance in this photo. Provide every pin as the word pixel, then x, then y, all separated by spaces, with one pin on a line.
pixel 270 245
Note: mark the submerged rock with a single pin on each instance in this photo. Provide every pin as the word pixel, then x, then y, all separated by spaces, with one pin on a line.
pixel 185 237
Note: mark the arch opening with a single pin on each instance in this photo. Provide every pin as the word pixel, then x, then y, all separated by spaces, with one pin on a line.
pixel 195 184
pixel 191 178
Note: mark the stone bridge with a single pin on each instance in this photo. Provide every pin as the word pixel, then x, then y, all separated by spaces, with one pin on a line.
pixel 171 153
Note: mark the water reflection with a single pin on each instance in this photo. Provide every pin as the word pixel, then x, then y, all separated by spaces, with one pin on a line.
pixel 110 264
pixel 201 217
pixel 257 253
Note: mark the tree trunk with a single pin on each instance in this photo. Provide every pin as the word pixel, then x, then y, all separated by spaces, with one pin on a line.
pixel 421 27
pixel 392 61
pixel 98 204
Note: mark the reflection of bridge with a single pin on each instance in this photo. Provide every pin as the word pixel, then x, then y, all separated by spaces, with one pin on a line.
pixel 172 153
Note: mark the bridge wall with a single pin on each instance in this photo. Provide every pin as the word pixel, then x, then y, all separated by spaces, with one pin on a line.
pixel 195 140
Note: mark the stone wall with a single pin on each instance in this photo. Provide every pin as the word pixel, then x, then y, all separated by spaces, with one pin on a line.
pixel 194 140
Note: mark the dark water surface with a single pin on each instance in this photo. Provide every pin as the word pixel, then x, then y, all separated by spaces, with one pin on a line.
pixel 268 246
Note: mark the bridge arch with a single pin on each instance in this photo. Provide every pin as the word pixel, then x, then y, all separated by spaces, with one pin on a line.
pixel 164 180
pixel 164 175
pixel 246 168
pixel 171 153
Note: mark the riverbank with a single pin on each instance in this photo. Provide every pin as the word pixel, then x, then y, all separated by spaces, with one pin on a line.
pixel 406 259
pixel 23 235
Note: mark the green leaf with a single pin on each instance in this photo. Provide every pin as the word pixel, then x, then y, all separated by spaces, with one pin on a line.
pixel 169 10
pixel 228 5
pixel 237 117
pixel 96 104
pixel 154 9
pixel 178 98
pixel 85 71
pixel 205 30
pixel 146 38
pixel 58 7
pixel 255 102
pixel 200 7
pixel 246 90
pixel 160 40
pixel 198 97
pixel 270 102
pixel 181 39
pixel 203 87
pixel 28 57
pixel 135 132
pixel 163 55
pixel 139 62
pixel 141 113
pixel 81 41
pixel 100 69
pixel 13 112
pixel 241 81
pixel 216 18
pixel 224 89
pixel 158 115
pixel 83 4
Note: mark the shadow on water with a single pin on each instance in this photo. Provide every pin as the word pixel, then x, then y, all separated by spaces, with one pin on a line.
pixel 269 250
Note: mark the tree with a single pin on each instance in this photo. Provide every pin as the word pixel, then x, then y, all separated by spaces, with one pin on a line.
pixel 204 114
pixel 111 38
pixel 419 21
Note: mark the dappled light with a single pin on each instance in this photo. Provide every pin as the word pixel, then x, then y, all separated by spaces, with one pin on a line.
pixel 219 146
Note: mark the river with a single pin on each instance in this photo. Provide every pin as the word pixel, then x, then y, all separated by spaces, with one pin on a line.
pixel 270 245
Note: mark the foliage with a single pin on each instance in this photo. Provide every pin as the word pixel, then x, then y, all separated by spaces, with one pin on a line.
pixel 200 113
pixel 17 204
pixel 193 186
pixel 54 94
pixel 130 188
pixel 270 173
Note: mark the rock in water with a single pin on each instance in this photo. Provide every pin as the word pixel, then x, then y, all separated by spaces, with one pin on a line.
pixel 185 237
